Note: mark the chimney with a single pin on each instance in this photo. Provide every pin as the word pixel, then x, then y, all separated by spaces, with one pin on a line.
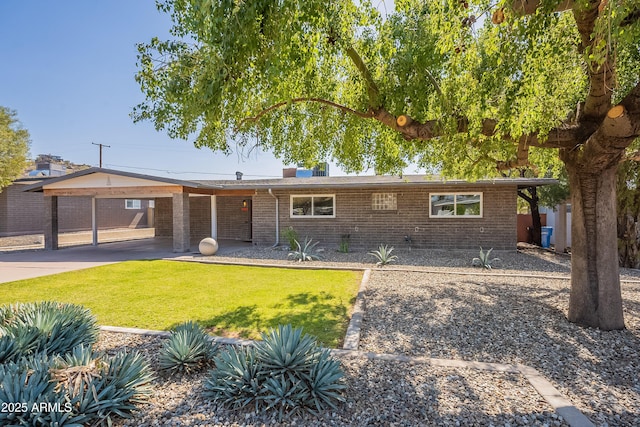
pixel 238 176
pixel 289 172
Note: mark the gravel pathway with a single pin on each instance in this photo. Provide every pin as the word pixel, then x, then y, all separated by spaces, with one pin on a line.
pixel 474 317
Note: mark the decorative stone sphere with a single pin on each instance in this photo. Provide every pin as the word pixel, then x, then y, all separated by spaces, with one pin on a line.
pixel 208 246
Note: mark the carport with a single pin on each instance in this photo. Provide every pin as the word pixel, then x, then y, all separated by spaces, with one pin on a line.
pixel 100 183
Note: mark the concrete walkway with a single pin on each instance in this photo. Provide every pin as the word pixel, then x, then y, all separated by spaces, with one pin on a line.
pixel 37 263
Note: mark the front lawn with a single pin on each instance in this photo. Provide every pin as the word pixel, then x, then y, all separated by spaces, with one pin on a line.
pixel 230 300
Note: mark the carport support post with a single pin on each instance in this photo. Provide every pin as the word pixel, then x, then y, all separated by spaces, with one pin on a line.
pixel 94 223
pixel 181 229
pixel 51 222
pixel 214 218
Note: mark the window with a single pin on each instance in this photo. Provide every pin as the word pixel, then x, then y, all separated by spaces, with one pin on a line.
pixel 321 206
pixel 384 202
pixel 132 204
pixel 467 205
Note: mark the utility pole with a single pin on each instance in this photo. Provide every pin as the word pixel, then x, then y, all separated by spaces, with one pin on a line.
pixel 101 145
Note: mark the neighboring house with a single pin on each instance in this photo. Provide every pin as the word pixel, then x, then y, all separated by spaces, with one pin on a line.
pixel 372 210
pixel 23 212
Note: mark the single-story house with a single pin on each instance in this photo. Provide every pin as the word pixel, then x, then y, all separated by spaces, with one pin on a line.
pixel 372 210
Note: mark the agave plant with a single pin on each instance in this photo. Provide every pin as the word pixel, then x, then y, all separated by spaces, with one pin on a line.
pixel 51 327
pixel 484 260
pixel 26 384
pixel 325 384
pixel 285 372
pixel 383 255
pixel 103 386
pixel 284 349
pixel 8 349
pixel 305 252
pixel 188 349
pixel 237 379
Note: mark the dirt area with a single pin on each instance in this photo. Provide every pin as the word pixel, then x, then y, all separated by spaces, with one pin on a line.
pixel 36 241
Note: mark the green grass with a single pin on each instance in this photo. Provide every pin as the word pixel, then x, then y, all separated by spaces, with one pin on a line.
pixel 229 300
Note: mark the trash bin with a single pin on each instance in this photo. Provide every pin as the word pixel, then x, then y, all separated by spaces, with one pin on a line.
pixel 546 233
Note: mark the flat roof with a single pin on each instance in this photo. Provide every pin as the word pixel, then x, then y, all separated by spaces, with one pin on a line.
pixel 376 181
pixel 371 181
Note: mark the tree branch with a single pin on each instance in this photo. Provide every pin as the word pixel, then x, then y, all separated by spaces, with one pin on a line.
pixel 340 107
pixel 372 87
pixel 529 7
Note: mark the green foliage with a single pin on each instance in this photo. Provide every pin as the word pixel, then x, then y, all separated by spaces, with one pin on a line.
pixel 232 71
pixel 188 349
pixel 305 252
pixel 383 255
pixel 50 327
pixel 344 243
pixel 291 235
pixel 285 372
pixel 484 260
pixel 14 147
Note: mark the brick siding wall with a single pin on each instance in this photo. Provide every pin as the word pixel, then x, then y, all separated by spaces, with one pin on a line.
pixel 369 228
pixel 23 213
pixel 233 223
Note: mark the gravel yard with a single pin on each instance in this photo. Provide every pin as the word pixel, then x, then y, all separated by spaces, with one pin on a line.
pixel 428 310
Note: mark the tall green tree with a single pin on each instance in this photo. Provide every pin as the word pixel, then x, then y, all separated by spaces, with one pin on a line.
pixel 14 147
pixel 470 88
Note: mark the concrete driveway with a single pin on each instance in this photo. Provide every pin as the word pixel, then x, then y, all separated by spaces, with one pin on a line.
pixel 37 263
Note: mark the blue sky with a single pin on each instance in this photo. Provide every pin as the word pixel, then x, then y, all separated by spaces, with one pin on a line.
pixel 67 67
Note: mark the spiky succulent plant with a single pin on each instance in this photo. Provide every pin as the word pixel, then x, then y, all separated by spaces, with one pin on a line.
pixel 188 349
pixel 305 252
pixel 484 260
pixel 236 380
pixel 383 255
pixel 48 326
pixel 285 372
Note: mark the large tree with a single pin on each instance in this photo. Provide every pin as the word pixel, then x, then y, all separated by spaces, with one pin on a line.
pixel 469 89
pixel 14 147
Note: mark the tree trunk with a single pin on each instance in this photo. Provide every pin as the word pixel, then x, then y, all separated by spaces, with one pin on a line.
pixel 595 299
pixel 535 216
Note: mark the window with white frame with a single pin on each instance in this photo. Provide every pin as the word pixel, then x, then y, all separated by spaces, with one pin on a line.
pixel 132 204
pixel 315 206
pixel 466 205
pixel 384 202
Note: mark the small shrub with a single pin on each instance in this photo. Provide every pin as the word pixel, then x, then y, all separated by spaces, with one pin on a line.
pixel 188 349
pixel 305 252
pixel 285 372
pixel 291 236
pixel 484 260
pixel 50 327
pixel 344 243
pixel 383 255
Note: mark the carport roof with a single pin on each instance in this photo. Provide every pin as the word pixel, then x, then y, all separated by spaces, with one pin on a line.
pixel 39 187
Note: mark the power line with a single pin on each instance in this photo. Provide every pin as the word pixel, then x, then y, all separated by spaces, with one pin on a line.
pixel 185 172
